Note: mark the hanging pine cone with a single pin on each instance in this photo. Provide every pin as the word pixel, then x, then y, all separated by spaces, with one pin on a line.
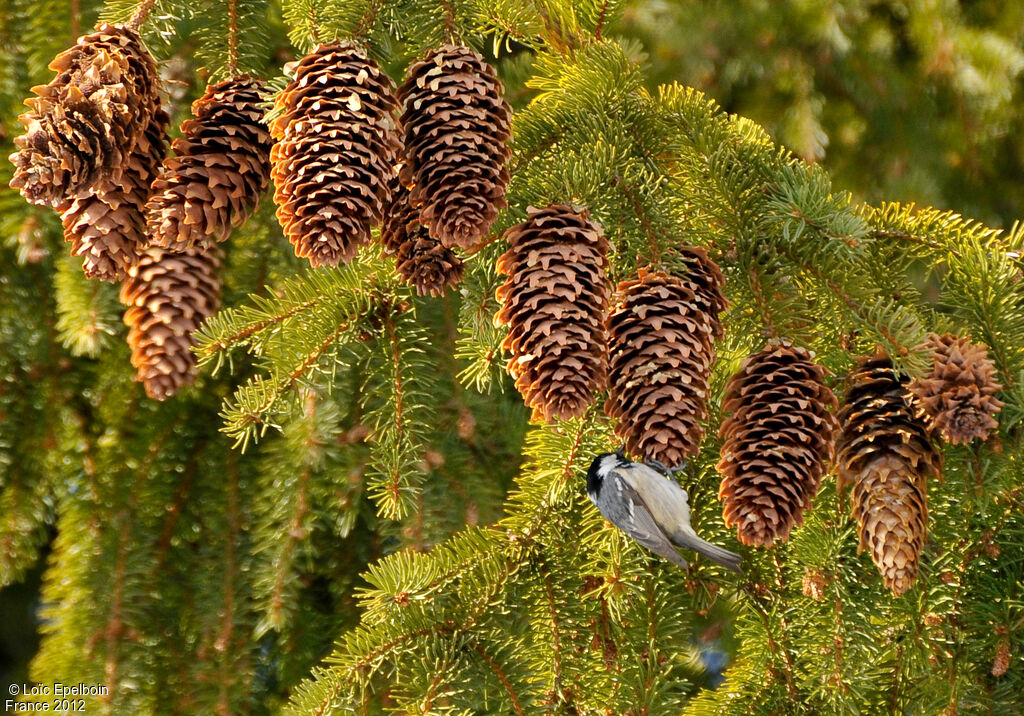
pixel 957 398
pixel 885 451
pixel 221 167
pixel 778 442
pixel 336 149
pixel 554 302
pixel 107 226
pixel 456 125
pixel 661 335
pixel 422 261
pixel 706 280
pixel 169 295
pixel 85 123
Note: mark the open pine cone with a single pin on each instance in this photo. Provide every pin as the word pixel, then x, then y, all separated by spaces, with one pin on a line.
pixel 778 442
pixel 554 302
pixel 661 334
pixel 336 148
pixel 957 397
pixel 885 452
pixel 421 260
pixel 107 225
pixel 85 123
pixel 220 168
pixel 456 126
pixel 168 296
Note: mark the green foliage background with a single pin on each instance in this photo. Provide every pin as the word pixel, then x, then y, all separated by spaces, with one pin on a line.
pixel 396 537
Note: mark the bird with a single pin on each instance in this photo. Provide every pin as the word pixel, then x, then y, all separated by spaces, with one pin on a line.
pixel 650 507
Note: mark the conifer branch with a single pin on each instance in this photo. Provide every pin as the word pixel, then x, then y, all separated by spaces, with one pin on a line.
pixel 294 536
pixel 366 20
pixel 163 543
pixel 641 212
pixel 232 64
pixel 502 677
pixel 599 29
pixel 138 17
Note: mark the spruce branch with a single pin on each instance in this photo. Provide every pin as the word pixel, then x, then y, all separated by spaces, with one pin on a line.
pixel 140 14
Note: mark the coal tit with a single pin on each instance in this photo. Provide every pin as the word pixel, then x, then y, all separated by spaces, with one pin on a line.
pixel 649 507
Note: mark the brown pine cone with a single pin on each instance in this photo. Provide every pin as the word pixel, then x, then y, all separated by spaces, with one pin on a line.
pixel 661 335
pixel 107 226
pixel 957 398
pixel 85 123
pixel 554 302
pixel 457 125
pixel 337 144
pixel 422 262
pixel 779 441
pixel 169 295
pixel 221 167
pixel 706 280
pixel 886 453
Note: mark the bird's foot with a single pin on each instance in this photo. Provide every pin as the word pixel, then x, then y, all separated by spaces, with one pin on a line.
pixel 662 468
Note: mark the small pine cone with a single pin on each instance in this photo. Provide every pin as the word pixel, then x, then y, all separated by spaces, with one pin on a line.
pixel 661 335
pixel 85 123
pixel 457 125
pixel 169 295
pixel 221 167
pixel 554 302
pixel 885 452
pixel 337 144
pixel 422 261
pixel 107 226
pixel 957 398
pixel 779 441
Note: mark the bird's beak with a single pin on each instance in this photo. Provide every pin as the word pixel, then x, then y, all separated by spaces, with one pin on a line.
pixel 621 452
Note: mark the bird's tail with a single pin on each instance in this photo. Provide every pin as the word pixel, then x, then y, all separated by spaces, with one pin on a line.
pixel 719 555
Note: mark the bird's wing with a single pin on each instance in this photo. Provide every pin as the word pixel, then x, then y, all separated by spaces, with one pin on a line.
pixel 666 500
pixel 642 526
pixel 667 503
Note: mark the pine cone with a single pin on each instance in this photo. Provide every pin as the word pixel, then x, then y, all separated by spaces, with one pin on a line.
pixel 85 123
pixel 169 295
pixel 957 398
pixel 337 144
pixel 778 442
pixel 456 126
pixel 554 302
pixel 706 280
pixel 886 453
pixel 661 336
pixel 107 226
pixel 221 167
pixel 422 261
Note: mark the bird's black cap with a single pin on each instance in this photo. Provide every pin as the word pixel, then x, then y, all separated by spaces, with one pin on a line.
pixel 594 477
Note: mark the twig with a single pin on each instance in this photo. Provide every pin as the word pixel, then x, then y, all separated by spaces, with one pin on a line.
pixel 233 37
pixel 641 213
pixel 601 17
pixel 449 20
pixel 366 21
pixel 141 13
